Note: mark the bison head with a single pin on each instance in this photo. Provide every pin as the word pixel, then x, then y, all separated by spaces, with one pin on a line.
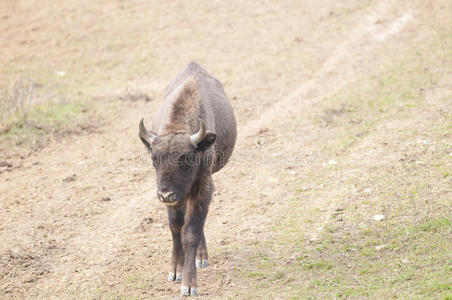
pixel 179 160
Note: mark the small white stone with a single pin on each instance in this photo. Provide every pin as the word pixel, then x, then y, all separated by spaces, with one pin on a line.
pixel 272 180
pixel 405 261
pixel 332 162
pixel 368 190
pixel 61 73
pixel 379 247
pixel 378 217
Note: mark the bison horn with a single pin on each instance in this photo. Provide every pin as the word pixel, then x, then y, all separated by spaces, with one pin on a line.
pixel 197 137
pixel 147 136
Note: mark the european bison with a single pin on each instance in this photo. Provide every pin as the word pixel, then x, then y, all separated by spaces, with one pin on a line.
pixel 192 136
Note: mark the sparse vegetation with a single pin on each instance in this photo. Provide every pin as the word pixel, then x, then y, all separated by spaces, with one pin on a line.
pixel 15 99
pixel 409 253
pixel 29 112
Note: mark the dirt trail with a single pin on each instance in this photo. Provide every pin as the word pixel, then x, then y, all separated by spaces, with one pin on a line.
pixel 80 217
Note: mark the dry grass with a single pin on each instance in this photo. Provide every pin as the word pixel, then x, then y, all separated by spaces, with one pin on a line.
pixel 32 113
pixel 15 98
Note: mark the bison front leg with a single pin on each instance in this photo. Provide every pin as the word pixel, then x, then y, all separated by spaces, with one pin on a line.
pixel 191 239
pixel 201 255
pixel 176 221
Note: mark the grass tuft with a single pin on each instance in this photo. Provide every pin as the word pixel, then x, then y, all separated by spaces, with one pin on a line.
pixel 28 112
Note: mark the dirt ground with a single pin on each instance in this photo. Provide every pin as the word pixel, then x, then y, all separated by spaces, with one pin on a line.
pixel 79 218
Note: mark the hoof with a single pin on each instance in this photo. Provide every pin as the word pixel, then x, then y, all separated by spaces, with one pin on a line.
pixel 201 264
pixel 187 291
pixel 171 276
pixel 178 277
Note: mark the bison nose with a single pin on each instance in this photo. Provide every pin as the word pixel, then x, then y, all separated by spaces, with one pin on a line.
pixel 166 196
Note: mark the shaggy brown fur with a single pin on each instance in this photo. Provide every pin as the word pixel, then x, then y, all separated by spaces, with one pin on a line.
pixel 184 108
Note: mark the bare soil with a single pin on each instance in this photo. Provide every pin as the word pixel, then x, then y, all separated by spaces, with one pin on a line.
pixel 79 218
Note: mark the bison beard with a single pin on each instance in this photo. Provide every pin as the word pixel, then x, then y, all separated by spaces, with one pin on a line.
pixel 193 135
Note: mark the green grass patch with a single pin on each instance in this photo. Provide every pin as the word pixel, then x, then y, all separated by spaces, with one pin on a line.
pixel 29 112
pixel 319 265
pixel 44 119
pixel 433 225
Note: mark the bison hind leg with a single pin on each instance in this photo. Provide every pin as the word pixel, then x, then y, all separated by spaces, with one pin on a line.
pixel 201 254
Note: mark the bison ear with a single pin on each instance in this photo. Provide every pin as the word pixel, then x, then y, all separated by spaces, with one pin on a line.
pixel 206 142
